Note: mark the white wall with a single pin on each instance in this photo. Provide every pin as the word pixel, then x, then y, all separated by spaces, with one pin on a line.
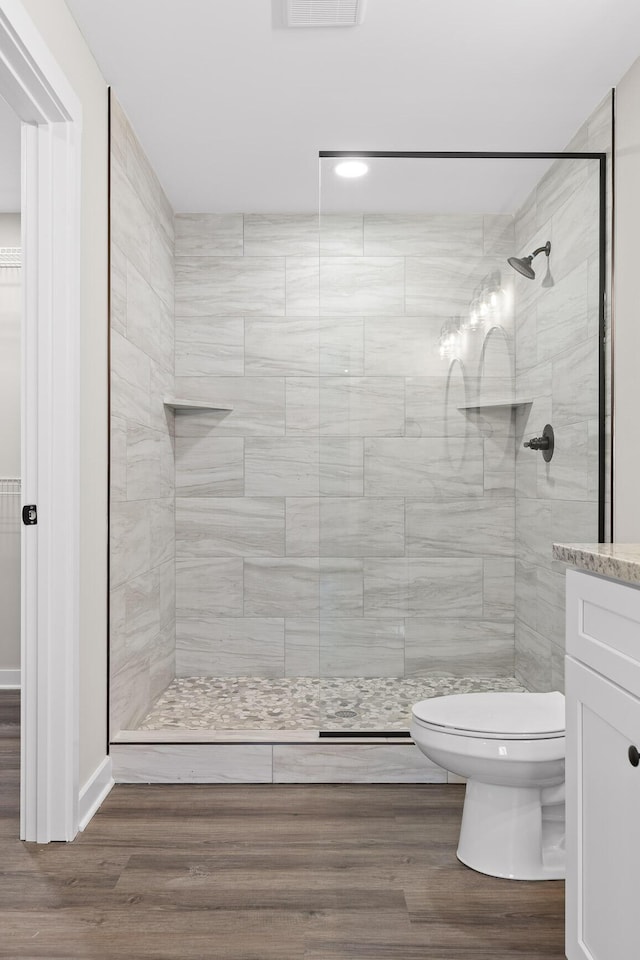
pixel 10 297
pixel 59 31
pixel 627 310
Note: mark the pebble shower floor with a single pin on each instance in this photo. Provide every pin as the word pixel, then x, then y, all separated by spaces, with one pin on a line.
pixel 304 703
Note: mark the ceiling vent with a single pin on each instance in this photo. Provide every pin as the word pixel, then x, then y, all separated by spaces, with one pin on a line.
pixel 323 13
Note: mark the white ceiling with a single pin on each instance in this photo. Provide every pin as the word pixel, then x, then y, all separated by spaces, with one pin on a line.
pixel 9 160
pixel 232 110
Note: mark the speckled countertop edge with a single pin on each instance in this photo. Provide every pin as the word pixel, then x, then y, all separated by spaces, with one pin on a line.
pixel 618 561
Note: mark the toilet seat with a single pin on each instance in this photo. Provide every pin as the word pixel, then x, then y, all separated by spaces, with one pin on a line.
pixel 494 716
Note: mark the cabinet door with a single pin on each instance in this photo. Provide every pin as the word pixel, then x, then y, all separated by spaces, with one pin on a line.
pixel 603 818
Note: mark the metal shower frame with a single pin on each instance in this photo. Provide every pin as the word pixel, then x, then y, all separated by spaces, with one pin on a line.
pixel 602 270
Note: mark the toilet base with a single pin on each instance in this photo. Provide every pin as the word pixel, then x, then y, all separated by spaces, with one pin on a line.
pixel 509 832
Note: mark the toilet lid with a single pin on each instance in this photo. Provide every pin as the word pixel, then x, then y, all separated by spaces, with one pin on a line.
pixel 508 715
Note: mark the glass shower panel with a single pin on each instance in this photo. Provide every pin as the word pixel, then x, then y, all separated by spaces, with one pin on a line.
pixel 437 361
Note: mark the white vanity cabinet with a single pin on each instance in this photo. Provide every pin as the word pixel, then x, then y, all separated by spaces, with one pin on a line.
pixel 603 768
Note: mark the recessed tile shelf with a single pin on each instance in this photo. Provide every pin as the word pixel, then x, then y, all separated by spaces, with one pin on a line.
pixel 179 403
pixel 479 404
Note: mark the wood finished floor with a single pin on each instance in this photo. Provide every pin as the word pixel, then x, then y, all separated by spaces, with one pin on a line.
pixel 262 873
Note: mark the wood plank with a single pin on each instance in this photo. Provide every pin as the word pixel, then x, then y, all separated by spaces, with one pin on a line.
pixel 262 872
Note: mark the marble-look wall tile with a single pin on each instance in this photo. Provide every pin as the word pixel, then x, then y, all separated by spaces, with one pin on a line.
pixel 118 138
pixel 566 476
pixel 118 459
pixel 361 648
pixel 533 659
pixel 282 347
pixel 534 532
pixel 341 468
pixel 442 286
pixel 459 648
pixel 574 383
pixel 162 271
pixel 302 286
pixel 302 526
pixel 209 466
pixel 147 186
pixel 431 405
pixel 281 588
pixel 353 763
pixel 417 588
pixel 255 406
pixel 149 321
pixel 426 235
pixel 342 346
pixel 412 467
pixel 130 222
pixel 162 525
pixel 574 521
pixel 302 406
pixel 341 587
pixel 118 290
pixel 142 610
pixel 498 588
pixel 550 605
pixel 498 234
pixel 460 528
pixel 229 526
pixel 361 285
pixel 557 366
pixel 273 235
pixel 402 346
pixel 527 592
pixel 162 382
pixel 235 647
pixel 341 235
pixel 130 380
pixel 209 588
pixel 250 286
pixel 599 125
pixel 593 300
pixel 301 647
pixel 149 459
pixel 277 467
pixel 361 527
pixel 499 466
pixel 142 542
pixel 558 185
pixel 209 234
pixel 192 763
pixel 322 384
pixel 557 667
pixel 575 227
pixel 526 342
pixel 130 541
pixel 562 315
pixel 361 406
pixel 209 346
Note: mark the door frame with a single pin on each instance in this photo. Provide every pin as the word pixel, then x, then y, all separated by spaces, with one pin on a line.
pixel 39 93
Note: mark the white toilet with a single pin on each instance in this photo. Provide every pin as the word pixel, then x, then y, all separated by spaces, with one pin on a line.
pixel 510 747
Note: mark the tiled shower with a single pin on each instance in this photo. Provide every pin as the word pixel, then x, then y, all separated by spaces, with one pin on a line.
pixel 321 508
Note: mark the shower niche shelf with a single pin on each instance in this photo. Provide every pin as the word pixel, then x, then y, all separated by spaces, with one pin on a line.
pixel 499 404
pixel 181 403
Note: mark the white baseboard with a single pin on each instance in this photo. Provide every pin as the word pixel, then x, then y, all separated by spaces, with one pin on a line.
pixel 94 792
pixel 9 679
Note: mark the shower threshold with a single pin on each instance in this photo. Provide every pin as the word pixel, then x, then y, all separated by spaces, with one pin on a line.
pixel 295 709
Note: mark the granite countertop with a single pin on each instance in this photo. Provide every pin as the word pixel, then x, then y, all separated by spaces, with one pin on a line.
pixel 618 561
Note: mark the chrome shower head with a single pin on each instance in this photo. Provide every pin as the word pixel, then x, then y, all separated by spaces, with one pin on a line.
pixel 523 264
